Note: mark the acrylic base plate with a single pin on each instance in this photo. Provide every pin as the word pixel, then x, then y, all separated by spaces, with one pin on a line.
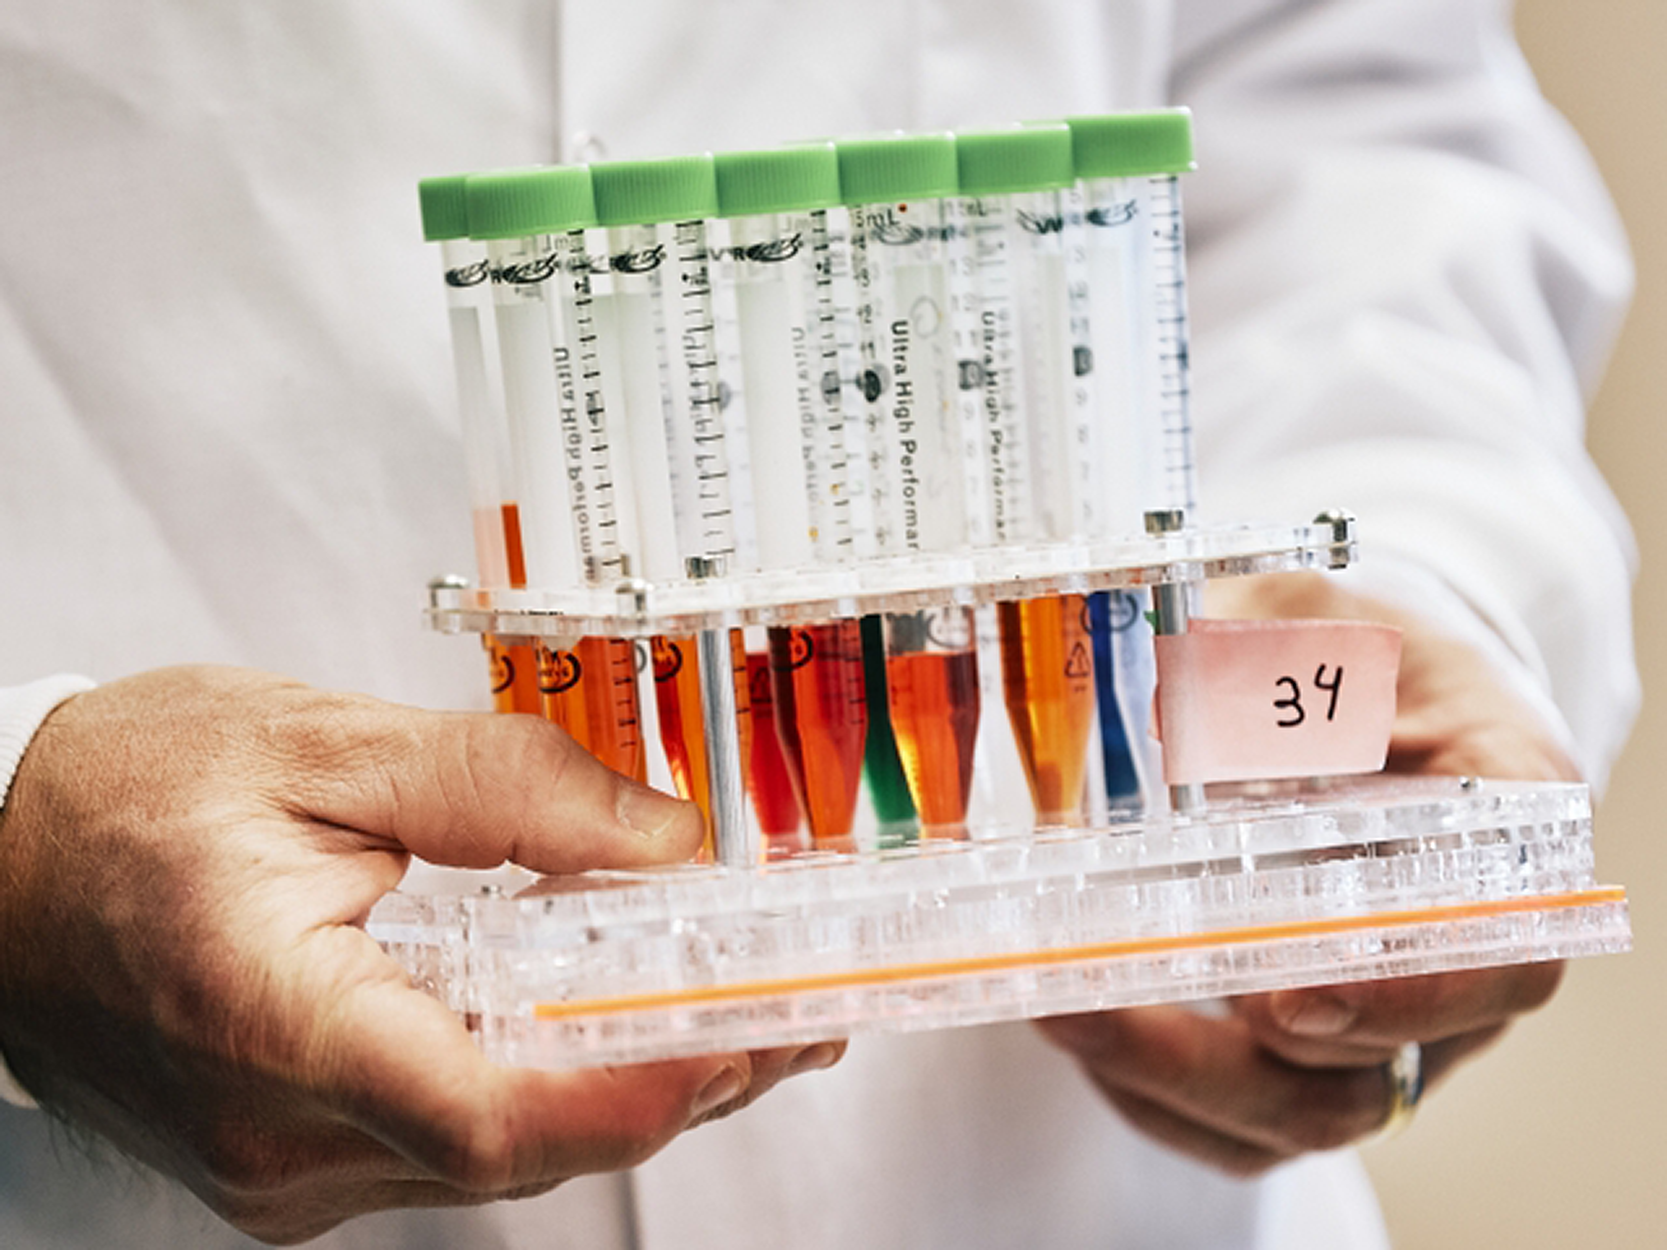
pixel 1273 886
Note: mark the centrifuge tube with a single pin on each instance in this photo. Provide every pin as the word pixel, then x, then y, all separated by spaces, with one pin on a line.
pixel 1126 165
pixel 534 221
pixel 776 205
pixel 445 213
pixel 768 780
pixel 822 718
pixel 1142 454
pixel 1011 182
pixel 660 326
pixel 882 766
pixel 932 689
pixel 591 691
pixel 677 697
pixel 903 249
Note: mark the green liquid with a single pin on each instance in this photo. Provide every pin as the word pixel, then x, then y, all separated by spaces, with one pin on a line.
pixel 888 789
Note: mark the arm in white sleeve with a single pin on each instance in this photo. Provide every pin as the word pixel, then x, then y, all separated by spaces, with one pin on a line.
pixel 1406 275
pixel 22 709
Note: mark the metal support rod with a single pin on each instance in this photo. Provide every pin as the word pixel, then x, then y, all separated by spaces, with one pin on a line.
pixel 734 841
pixel 1169 605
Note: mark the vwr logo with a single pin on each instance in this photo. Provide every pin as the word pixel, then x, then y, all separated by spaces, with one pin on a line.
pixel 770 252
pixel 468 275
pixel 1112 214
pixel 528 273
pixel 1032 224
pixel 639 262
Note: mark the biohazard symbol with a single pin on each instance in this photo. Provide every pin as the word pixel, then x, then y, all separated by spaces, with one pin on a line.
pixel 1077 664
pixel 639 655
pixel 558 671
pixel 503 671
pixel 668 659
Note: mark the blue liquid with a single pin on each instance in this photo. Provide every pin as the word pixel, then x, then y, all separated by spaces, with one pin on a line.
pixel 1108 613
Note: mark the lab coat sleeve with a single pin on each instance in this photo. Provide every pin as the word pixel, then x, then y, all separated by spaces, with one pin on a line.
pixel 1406 275
pixel 22 709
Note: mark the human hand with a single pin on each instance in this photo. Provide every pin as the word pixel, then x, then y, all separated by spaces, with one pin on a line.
pixel 1299 1070
pixel 186 861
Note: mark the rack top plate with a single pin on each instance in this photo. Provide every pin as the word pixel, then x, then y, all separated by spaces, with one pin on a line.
pixel 636 608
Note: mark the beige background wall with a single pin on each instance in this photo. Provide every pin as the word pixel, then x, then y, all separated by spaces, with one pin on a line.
pixel 1559 1138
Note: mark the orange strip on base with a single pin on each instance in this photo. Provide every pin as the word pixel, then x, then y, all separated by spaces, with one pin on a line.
pixel 1075 954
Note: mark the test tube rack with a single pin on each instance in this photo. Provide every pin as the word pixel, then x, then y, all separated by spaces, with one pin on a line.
pixel 1050 260
pixel 1267 886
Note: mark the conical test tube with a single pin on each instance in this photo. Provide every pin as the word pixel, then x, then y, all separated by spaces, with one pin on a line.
pixel 904 239
pixel 776 204
pixel 533 222
pixel 1126 166
pixel 445 214
pixel 659 336
pixel 1011 182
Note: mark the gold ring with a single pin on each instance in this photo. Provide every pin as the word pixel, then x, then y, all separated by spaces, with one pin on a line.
pixel 1406 1087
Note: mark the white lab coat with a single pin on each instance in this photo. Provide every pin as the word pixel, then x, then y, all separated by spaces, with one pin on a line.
pixel 229 435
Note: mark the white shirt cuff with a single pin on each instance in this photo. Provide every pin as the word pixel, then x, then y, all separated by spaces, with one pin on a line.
pixel 22 709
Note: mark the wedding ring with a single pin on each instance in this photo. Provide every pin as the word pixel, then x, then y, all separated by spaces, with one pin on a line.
pixel 1406 1087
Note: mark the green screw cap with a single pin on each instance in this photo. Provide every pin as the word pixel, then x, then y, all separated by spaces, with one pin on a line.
pixel 676 188
pixel 445 207
pixel 897 167
pixel 778 180
pixel 1118 145
pixel 514 203
pixel 1024 158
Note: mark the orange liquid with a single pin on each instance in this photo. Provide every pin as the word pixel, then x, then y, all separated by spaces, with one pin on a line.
pixel 514 676
pixel 514 669
pixel 934 716
pixel 516 559
pixel 591 692
pixel 822 720
pixel 1047 678
pixel 768 779
pixel 682 729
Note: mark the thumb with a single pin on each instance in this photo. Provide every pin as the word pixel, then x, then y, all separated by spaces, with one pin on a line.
pixel 473 790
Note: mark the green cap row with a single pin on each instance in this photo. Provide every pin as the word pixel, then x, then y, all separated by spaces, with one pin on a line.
pixel 515 203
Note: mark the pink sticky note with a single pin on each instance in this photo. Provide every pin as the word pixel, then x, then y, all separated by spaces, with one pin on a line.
pixel 1254 700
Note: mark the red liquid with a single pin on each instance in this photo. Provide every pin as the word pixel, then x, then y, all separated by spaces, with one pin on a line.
pixel 591 692
pixel 822 720
pixel 1047 677
pixel 682 729
pixel 934 717
pixel 768 779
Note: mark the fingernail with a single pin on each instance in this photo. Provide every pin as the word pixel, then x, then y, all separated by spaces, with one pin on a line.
pixel 1314 1014
pixel 647 811
pixel 813 1059
pixel 724 1087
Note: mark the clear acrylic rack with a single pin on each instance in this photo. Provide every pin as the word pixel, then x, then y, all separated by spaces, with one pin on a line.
pixel 1265 886
pixel 1275 886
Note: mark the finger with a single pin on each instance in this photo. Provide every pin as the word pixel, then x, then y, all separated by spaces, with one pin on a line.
pixel 771 1067
pixel 402 1068
pixel 1212 1073
pixel 1230 1154
pixel 1331 1024
pixel 476 790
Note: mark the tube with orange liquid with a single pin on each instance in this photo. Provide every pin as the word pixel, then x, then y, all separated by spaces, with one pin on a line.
pixel 822 719
pixel 480 402
pixel 1011 183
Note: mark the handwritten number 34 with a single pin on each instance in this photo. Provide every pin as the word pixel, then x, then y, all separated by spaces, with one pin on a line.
pixel 1292 704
